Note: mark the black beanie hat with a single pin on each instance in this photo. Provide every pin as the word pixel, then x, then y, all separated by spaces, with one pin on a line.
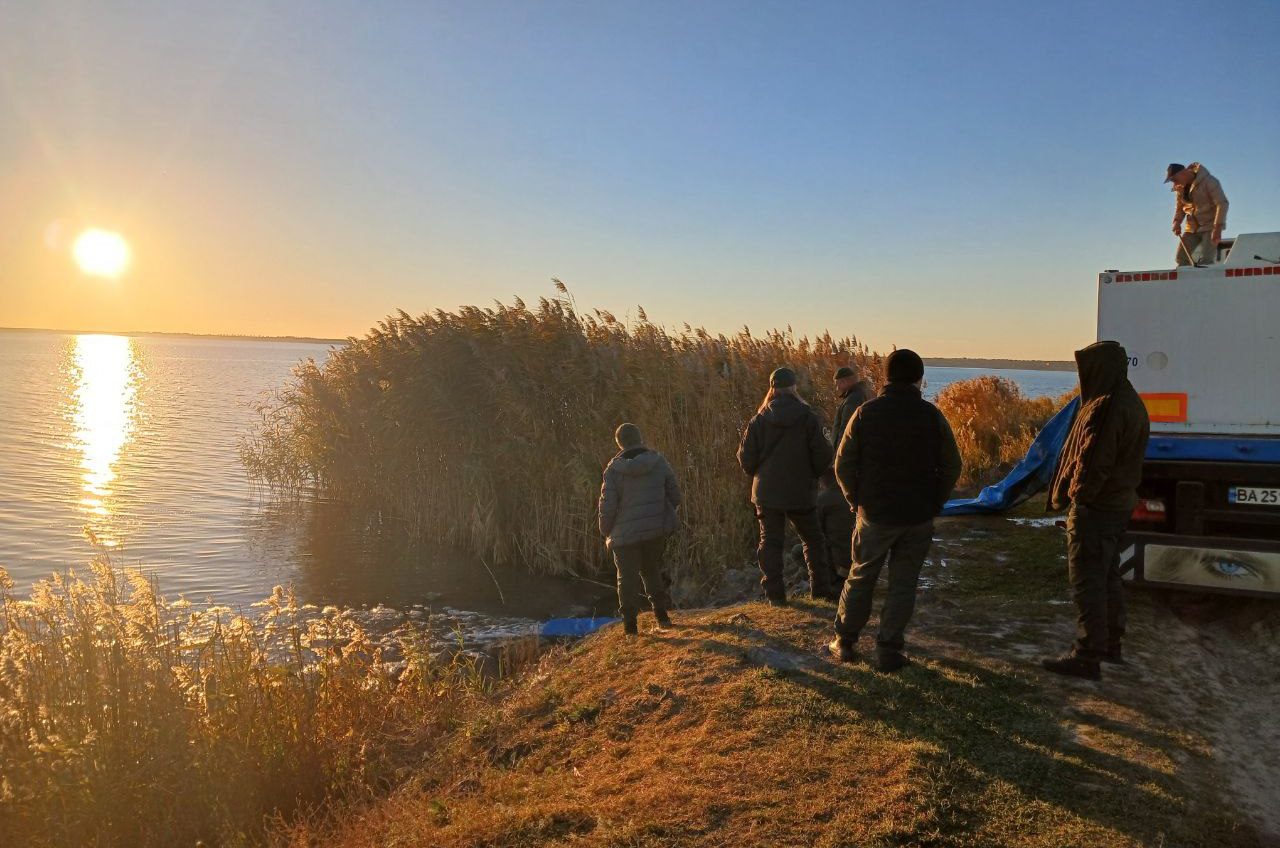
pixel 782 378
pixel 904 366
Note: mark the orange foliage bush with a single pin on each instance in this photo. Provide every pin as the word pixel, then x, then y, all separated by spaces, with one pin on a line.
pixel 994 424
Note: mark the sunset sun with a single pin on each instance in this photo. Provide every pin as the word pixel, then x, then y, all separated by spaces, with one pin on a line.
pixel 101 253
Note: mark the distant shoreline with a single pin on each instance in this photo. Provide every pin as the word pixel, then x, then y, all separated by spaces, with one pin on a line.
pixel 1001 364
pixel 162 334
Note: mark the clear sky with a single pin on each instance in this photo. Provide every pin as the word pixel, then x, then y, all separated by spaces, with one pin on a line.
pixel 944 176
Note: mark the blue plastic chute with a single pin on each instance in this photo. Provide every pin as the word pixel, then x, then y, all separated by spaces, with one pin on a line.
pixel 1033 474
pixel 557 627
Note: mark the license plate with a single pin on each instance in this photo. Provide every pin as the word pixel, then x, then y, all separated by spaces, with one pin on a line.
pixel 1252 496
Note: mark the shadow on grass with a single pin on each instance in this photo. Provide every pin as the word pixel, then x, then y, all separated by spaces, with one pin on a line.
pixel 987 731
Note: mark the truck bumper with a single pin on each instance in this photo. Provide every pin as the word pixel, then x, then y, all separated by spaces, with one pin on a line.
pixel 1202 563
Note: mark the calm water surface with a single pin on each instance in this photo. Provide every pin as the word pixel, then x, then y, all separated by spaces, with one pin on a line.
pixel 128 446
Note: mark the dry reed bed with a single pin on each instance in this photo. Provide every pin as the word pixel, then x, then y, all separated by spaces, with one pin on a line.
pixel 487 429
pixel 127 719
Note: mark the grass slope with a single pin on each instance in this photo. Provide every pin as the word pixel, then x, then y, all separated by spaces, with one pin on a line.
pixel 734 730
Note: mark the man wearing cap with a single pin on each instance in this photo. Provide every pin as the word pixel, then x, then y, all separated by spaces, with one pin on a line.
pixel 784 450
pixel 1199 212
pixel 897 465
pixel 637 512
pixel 853 393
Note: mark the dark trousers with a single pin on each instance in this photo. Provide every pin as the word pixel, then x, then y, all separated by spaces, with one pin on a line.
pixel 641 562
pixel 1093 564
pixel 875 545
pixel 773 531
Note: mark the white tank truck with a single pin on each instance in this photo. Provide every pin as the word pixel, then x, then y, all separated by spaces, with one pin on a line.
pixel 1204 353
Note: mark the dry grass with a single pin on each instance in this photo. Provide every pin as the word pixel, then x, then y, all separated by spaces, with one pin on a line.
pixel 994 424
pixel 732 731
pixel 129 720
pixel 488 429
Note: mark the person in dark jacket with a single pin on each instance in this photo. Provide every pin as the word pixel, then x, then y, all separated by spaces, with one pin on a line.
pixel 853 393
pixel 1098 476
pixel 897 465
pixel 785 451
pixel 836 522
pixel 637 512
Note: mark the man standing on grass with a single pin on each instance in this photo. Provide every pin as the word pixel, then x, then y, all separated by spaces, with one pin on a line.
pixel 853 393
pixel 897 464
pixel 1098 475
pixel 1199 213
pixel 637 512
pixel 785 452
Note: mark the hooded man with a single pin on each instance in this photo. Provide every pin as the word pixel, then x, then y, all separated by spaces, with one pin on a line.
pixel 1200 206
pixel 853 393
pixel 1098 476
pixel 897 464
pixel 637 512
pixel 784 450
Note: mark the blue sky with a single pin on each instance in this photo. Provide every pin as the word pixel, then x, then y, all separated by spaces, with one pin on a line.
pixel 944 176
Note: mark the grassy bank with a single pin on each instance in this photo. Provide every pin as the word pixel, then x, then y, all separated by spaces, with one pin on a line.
pixel 126 719
pixel 129 720
pixel 733 730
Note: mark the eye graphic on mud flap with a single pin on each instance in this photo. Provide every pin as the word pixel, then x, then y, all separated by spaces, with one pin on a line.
pixel 1213 567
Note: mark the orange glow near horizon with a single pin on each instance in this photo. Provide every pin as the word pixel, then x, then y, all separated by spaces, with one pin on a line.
pixel 101 253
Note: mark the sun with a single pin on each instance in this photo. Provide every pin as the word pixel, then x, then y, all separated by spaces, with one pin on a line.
pixel 101 253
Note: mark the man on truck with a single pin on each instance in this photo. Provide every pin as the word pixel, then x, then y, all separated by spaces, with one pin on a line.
pixel 1098 476
pixel 1199 213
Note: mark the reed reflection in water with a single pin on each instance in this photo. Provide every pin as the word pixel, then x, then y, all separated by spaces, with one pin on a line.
pixel 105 372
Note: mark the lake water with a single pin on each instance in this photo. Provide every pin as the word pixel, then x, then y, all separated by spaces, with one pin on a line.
pixel 128 446
pixel 1033 383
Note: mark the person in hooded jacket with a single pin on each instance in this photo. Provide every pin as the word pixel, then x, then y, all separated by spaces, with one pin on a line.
pixel 897 464
pixel 637 512
pixel 1097 476
pixel 785 451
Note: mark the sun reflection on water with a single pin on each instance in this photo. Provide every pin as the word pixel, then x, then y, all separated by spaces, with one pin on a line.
pixel 106 377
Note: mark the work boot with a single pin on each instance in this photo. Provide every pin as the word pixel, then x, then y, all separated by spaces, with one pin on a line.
pixel 890 661
pixel 842 650
pixel 630 626
pixel 1074 666
pixel 664 619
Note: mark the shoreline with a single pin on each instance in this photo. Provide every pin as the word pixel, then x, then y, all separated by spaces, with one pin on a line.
pixel 165 334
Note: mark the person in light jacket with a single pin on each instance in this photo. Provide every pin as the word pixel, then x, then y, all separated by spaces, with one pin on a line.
pixel 637 512
pixel 1199 213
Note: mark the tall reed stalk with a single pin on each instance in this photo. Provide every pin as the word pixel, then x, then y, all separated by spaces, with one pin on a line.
pixel 130 720
pixel 487 429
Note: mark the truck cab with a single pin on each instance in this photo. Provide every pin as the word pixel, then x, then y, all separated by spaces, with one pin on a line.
pixel 1204 354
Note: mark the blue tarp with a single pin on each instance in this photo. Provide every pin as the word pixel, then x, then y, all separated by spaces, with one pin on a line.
pixel 1028 477
pixel 574 626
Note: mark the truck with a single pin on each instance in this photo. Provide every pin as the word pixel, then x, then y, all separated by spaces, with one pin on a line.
pixel 1204 354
